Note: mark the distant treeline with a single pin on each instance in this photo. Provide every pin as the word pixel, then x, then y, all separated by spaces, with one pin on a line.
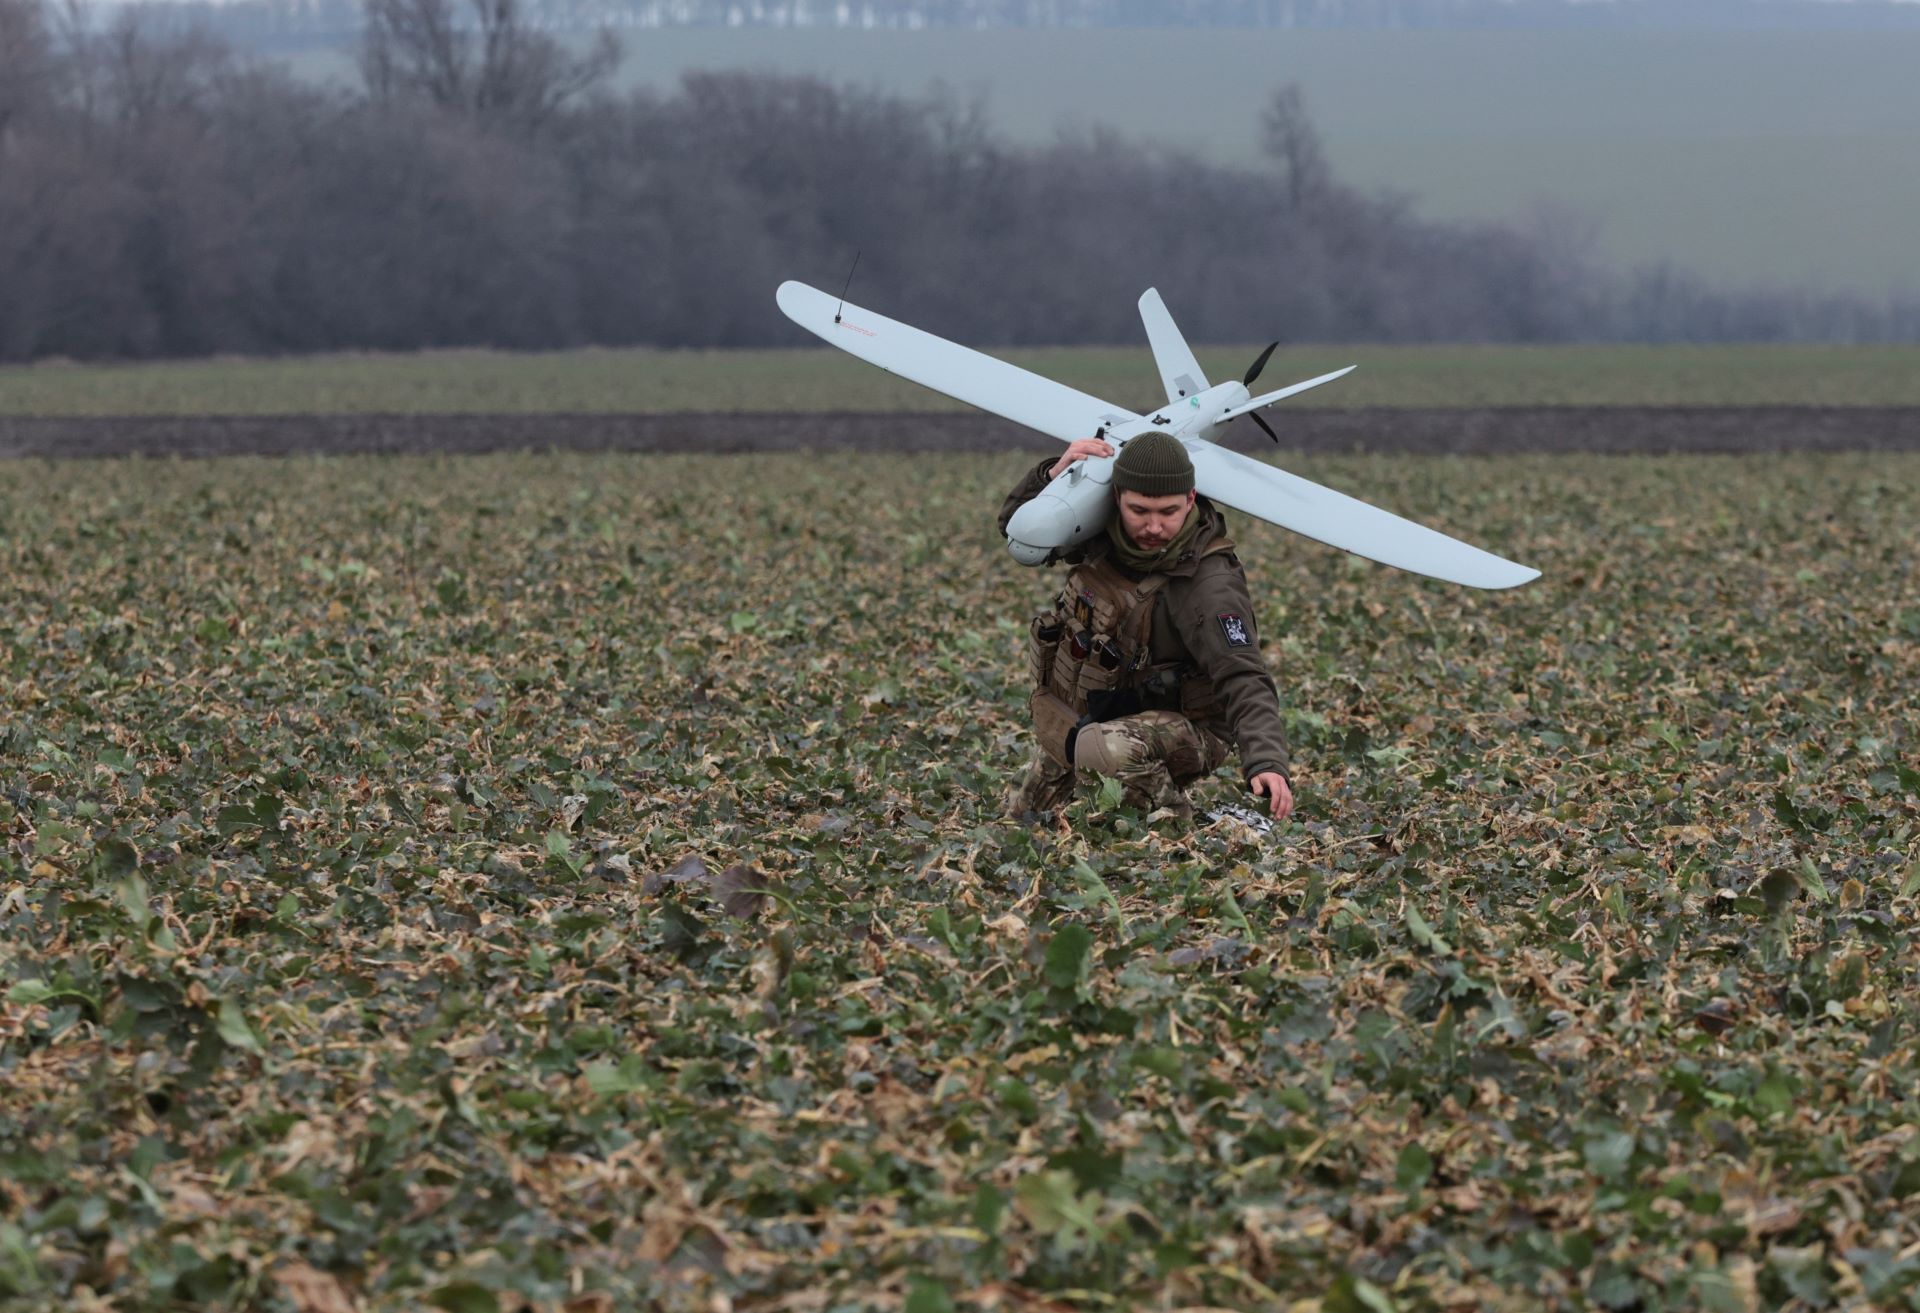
pixel 281 25
pixel 160 196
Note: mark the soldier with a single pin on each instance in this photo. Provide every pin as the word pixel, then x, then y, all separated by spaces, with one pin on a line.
pixel 1148 665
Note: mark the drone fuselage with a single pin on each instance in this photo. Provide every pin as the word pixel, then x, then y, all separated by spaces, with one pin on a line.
pixel 1074 507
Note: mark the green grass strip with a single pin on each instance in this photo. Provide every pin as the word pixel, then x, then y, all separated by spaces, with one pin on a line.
pixel 643 381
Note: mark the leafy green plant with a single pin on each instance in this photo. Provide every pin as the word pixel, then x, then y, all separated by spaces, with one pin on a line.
pixel 580 882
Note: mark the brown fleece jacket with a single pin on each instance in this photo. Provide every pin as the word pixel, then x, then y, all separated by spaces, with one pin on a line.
pixel 1203 617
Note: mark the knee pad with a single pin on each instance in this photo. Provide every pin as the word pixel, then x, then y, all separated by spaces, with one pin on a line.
pixel 1106 748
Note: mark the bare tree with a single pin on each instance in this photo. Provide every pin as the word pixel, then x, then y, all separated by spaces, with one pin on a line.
pixel 25 67
pixel 160 196
pixel 1290 140
pixel 163 75
pixel 481 60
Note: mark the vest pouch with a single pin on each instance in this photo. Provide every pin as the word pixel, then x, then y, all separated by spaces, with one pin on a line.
pixel 1100 672
pixel 1054 726
pixel 1043 643
pixel 1063 679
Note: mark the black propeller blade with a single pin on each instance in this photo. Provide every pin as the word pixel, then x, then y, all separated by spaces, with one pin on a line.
pixel 1259 365
pixel 1252 374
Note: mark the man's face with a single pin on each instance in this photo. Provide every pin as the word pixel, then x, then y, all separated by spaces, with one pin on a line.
pixel 1151 522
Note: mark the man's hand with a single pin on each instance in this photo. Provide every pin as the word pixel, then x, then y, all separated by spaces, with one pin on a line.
pixel 1081 449
pixel 1272 785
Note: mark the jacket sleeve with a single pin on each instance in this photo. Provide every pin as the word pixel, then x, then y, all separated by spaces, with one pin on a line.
pixel 1037 478
pixel 1224 640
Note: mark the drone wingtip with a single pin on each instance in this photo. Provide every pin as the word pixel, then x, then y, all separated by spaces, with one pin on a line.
pixel 1520 574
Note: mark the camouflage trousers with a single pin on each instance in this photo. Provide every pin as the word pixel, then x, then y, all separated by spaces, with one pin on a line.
pixel 1154 755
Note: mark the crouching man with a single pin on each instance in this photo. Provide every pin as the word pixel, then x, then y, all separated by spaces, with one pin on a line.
pixel 1147 667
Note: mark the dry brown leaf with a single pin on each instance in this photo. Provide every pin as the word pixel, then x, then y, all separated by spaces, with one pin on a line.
pixel 740 891
pixel 313 1291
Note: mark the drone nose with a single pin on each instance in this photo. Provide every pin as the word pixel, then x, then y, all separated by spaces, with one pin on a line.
pixel 1044 523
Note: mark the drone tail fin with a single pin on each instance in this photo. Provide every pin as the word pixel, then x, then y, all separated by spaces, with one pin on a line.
pixel 1178 369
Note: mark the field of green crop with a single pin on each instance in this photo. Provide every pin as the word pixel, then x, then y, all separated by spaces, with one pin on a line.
pixel 580 883
pixel 647 382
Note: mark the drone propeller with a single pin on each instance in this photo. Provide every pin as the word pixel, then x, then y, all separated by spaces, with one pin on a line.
pixel 1253 372
pixel 1258 365
pixel 1253 406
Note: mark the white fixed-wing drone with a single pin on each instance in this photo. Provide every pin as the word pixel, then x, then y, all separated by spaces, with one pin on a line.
pixel 1074 507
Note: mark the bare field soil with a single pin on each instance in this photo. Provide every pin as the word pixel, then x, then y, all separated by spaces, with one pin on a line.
pixel 1443 431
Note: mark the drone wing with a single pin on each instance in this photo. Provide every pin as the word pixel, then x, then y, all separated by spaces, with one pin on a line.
pixel 963 374
pixel 1340 521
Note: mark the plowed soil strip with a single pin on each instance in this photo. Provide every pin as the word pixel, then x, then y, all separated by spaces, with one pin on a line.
pixel 1606 429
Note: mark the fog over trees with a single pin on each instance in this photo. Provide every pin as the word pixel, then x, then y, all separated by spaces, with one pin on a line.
pixel 161 195
pixel 281 25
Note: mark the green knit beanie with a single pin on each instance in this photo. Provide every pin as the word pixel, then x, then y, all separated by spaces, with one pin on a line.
pixel 1154 465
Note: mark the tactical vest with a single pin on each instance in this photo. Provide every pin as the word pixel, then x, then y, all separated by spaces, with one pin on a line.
pixel 1090 657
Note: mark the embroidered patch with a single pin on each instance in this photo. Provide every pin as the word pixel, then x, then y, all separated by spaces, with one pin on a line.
pixel 1235 629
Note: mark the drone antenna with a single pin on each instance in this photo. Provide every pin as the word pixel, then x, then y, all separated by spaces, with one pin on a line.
pixel 849 283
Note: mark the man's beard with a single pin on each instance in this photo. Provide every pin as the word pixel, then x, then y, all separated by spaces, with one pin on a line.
pixel 1136 554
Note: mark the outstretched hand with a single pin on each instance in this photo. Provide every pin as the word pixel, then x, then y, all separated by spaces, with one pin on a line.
pixel 1080 449
pixel 1273 786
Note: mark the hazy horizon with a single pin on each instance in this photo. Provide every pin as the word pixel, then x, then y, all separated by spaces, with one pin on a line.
pixel 1762 159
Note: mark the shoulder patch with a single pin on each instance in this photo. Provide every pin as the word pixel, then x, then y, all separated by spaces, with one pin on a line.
pixel 1235 628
